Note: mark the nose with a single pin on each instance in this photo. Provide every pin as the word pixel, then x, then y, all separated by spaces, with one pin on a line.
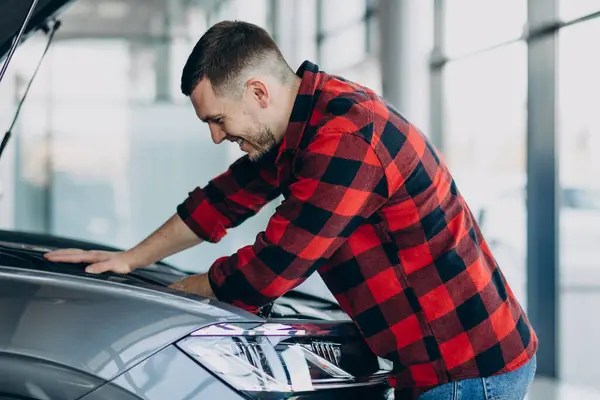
pixel 217 134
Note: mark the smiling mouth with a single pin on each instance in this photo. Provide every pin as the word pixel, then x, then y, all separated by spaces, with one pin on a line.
pixel 237 140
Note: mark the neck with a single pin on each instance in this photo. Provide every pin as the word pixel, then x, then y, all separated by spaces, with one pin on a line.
pixel 289 94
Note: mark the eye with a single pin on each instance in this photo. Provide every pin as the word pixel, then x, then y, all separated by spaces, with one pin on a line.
pixel 217 121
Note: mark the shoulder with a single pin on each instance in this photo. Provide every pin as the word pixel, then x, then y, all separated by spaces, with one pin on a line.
pixel 337 146
pixel 342 106
pixel 341 100
pixel 353 117
pixel 344 160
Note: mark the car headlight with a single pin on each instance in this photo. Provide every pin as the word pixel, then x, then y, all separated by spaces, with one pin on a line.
pixel 272 357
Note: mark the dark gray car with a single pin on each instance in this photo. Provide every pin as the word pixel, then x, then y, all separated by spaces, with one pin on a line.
pixel 66 334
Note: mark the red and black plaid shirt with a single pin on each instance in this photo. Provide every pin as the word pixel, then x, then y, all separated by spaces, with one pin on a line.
pixel 371 207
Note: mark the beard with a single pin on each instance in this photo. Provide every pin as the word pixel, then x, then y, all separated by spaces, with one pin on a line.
pixel 262 139
pixel 263 143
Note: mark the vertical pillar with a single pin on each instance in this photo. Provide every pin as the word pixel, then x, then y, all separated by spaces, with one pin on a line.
pixel 405 38
pixel 174 27
pixel 436 83
pixel 284 20
pixel 542 186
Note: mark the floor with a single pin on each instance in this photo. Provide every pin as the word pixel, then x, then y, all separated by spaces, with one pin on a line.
pixel 544 389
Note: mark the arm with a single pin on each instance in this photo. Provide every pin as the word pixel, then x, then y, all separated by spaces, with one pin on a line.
pixel 230 198
pixel 172 237
pixel 330 199
pixel 225 202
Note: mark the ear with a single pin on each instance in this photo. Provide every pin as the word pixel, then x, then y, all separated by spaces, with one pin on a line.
pixel 258 91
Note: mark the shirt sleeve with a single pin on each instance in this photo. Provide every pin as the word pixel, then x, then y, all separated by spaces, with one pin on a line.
pixel 340 182
pixel 230 198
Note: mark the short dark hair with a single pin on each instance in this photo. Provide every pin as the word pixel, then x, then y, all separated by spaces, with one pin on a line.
pixel 225 51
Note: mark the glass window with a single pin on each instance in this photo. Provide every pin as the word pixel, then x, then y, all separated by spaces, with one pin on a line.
pixel 306 26
pixel 571 9
pixel 306 14
pixel 367 73
pixel 476 24
pixel 112 163
pixel 485 122
pixel 250 11
pixel 340 14
pixel 22 181
pixel 197 22
pixel 307 50
pixel 90 70
pixel 579 155
pixel 344 49
pixel 142 72
pixel 255 11
pixel 374 32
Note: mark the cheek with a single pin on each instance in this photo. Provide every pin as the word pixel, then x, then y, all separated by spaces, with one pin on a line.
pixel 232 127
pixel 228 128
pixel 241 130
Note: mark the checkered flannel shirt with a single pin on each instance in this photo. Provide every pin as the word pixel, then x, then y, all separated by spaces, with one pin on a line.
pixel 370 206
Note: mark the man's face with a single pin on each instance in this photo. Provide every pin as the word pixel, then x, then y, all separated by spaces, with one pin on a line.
pixel 235 119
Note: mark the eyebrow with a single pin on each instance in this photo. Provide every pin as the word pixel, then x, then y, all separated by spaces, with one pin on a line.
pixel 211 117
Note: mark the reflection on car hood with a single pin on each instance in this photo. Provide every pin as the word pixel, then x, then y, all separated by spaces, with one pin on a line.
pixel 96 326
pixel 100 324
pixel 112 320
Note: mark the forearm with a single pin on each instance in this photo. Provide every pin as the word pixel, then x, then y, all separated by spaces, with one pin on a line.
pixel 230 198
pixel 197 284
pixel 172 237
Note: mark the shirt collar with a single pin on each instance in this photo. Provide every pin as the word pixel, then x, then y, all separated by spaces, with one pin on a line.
pixel 302 109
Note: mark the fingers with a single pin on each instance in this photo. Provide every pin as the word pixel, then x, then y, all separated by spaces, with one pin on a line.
pixel 62 252
pixel 99 261
pixel 99 268
pixel 76 256
pixel 179 285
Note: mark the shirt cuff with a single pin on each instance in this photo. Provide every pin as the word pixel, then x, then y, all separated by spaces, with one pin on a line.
pixel 214 277
pixel 228 292
pixel 202 218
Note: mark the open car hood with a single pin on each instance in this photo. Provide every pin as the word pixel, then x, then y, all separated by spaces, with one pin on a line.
pixel 12 15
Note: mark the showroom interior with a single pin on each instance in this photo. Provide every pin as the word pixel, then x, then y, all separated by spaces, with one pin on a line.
pixel 106 145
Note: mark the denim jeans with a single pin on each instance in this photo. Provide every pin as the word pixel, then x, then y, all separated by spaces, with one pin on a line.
pixel 509 386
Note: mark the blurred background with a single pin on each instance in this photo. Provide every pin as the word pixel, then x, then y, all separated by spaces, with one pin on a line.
pixel 508 90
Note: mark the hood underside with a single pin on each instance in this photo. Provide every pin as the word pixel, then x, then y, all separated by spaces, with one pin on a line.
pixel 12 15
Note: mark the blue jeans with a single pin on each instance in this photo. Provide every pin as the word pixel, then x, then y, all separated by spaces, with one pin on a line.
pixel 510 386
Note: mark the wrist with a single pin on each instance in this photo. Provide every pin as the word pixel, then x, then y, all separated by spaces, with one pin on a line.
pixel 197 284
pixel 132 260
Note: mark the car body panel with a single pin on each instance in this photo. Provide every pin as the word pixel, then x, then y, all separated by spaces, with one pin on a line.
pixel 122 330
pixel 39 379
pixel 171 374
pixel 110 392
pixel 98 327
pixel 66 334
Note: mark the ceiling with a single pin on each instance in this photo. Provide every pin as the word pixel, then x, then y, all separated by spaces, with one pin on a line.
pixel 135 19
pixel 129 19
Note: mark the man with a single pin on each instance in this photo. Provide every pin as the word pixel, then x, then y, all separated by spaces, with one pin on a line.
pixel 368 204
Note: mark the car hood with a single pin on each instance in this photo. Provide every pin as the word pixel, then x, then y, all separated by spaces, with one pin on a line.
pixel 103 324
pixel 98 324
pixel 12 15
pixel 99 327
